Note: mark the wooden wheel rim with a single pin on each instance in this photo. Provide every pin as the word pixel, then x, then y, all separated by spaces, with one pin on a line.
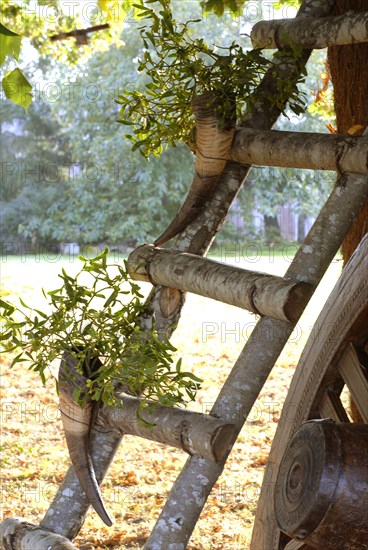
pixel 347 304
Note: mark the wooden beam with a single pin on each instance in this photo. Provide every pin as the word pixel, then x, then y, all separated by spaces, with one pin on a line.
pixel 314 151
pixel 263 294
pixel 309 32
pixel 195 433
pixel 331 407
pixel 296 545
pixel 18 534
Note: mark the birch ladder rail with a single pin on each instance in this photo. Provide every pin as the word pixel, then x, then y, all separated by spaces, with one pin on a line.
pixel 279 300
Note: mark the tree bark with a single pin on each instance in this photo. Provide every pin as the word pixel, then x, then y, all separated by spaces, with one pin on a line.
pixel 311 32
pixel 349 74
pixel 18 534
pixel 259 293
pixel 313 151
pixel 195 433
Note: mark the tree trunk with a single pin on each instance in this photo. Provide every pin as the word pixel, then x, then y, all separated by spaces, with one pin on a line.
pixel 348 67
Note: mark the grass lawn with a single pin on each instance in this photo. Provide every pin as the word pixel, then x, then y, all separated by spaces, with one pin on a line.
pixel 209 338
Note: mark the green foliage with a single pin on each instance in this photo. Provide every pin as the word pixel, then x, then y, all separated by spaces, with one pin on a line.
pixel 218 7
pixel 235 7
pixel 41 20
pixel 180 68
pixel 9 43
pixel 288 88
pixel 33 154
pixel 324 109
pixel 280 3
pixel 111 196
pixel 15 84
pixel 68 172
pixel 115 197
pixel 118 12
pixel 99 319
pixel 17 88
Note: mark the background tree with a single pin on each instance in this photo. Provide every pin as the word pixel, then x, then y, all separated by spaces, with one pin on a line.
pixel 33 176
pixel 109 193
pixel 115 194
pixel 348 66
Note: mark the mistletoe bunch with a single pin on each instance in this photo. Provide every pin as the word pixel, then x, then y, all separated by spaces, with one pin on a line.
pixel 177 70
pixel 97 314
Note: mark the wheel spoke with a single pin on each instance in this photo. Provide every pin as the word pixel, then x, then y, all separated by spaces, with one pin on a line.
pixel 351 370
pixel 297 545
pixel 331 407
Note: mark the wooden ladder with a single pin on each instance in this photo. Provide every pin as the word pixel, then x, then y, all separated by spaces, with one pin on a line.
pixel 278 300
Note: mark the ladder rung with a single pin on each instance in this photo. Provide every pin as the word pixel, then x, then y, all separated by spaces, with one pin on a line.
pixel 195 433
pixel 28 535
pixel 260 293
pixel 310 32
pixel 309 150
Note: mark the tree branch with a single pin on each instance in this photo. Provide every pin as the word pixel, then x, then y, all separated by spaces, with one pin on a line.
pixel 259 293
pixel 195 433
pixel 310 32
pixel 313 151
pixel 18 534
pixel 78 33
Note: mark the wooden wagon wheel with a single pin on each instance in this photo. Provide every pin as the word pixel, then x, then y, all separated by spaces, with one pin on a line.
pixel 334 357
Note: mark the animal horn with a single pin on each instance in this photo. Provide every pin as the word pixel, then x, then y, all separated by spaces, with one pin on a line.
pixel 77 423
pixel 214 137
pixel 198 194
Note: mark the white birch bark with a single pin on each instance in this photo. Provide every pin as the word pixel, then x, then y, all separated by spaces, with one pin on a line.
pixel 310 32
pixel 259 293
pixel 195 433
pixel 213 141
pixel 343 153
pixel 18 534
